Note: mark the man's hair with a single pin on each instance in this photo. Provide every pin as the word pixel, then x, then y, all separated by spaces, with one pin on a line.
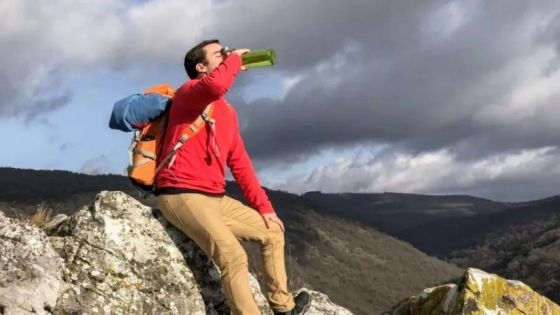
pixel 197 55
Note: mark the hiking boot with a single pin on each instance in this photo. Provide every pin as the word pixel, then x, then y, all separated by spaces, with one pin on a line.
pixel 303 301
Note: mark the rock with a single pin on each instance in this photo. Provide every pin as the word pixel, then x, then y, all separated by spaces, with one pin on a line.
pixel 122 257
pixel 120 260
pixel 322 305
pixel 478 293
pixel 116 256
pixel 30 270
pixel 260 299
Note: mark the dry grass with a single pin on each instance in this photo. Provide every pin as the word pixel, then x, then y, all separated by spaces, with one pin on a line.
pixel 41 216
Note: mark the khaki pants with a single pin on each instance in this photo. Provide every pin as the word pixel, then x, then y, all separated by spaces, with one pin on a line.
pixel 216 224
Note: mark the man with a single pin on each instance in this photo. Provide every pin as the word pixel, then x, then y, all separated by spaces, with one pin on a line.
pixel 191 186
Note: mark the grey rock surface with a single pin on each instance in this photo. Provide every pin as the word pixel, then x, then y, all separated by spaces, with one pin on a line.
pixel 322 305
pixel 30 269
pixel 120 260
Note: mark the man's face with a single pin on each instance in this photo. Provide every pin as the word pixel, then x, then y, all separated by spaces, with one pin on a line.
pixel 214 56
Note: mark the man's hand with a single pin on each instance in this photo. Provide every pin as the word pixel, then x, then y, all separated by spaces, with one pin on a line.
pixel 240 52
pixel 272 217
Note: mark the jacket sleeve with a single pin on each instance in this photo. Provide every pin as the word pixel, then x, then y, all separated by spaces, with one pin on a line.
pixel 242 169
pixel 201 92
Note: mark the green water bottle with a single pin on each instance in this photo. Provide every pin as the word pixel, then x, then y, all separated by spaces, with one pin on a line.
pixel 259 58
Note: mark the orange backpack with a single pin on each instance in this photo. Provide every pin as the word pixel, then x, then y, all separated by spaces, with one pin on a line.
pixel 145 153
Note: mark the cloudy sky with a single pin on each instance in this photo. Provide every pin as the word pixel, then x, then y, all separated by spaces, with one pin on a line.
pixel 439 97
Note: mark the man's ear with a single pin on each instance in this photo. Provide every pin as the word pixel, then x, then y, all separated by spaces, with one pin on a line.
pixel 201 68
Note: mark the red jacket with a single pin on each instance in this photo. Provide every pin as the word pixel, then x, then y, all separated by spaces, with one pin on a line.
pixel 196 167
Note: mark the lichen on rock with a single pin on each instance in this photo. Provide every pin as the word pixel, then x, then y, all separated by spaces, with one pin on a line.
pixel 478 293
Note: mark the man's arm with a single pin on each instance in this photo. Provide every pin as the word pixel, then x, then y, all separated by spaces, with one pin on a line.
pixel 210 87
pixel 244 173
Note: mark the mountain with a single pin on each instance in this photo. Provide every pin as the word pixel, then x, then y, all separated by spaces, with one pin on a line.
pixel 359 268
pixel 525 246
pixel 441 237
pixel 514 240
pixel 436 225
pixel 23 189
pixel 395 213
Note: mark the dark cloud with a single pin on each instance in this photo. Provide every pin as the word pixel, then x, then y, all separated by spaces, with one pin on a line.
pixel 42 44
pixel 40 106
pixel 30 85
pixel 309 32
pixel 552 30
pixel 417 74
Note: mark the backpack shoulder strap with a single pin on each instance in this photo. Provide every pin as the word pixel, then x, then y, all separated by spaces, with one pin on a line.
pixel 189 132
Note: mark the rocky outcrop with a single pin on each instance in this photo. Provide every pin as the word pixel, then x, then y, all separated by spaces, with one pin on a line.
pixel 322 305
pixel 118 257
pixel 478 293
pixel 30 270
pixel 120 260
